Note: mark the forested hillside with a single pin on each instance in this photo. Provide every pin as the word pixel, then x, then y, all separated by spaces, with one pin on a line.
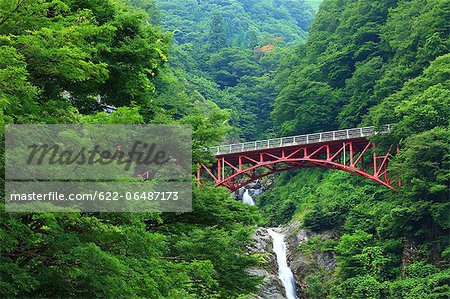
pixel 373 63
pixel 230 50
pixel 61 62
pixel 245 23
pixel 236 70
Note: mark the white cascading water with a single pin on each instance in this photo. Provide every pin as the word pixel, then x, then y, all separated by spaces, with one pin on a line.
pixel 247 199
pixel 284 272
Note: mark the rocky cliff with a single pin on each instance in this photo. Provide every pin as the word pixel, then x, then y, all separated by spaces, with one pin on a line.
pixel 272 287
pixel 302 264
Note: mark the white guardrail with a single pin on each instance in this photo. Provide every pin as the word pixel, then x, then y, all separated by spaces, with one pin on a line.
pixel 298 140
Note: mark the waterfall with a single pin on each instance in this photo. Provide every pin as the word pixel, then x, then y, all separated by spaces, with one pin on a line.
pixel 247 199
pixel 284 272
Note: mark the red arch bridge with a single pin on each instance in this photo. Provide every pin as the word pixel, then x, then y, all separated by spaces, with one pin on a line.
pixel 348 150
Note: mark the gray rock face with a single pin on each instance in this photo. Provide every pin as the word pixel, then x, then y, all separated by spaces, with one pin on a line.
pixel 272 288
pixel 254 188
pixel 301 264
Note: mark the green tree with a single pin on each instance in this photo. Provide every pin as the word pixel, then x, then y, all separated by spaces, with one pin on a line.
pixel 217 40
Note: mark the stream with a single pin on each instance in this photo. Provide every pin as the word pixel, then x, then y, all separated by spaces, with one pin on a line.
pixel 279 247
pixel 247 199
pixel 284 272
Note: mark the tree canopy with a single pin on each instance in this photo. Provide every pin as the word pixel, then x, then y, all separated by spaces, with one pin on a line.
pixel 373 63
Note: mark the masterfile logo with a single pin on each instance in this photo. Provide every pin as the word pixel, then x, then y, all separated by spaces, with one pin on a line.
pixel 108 163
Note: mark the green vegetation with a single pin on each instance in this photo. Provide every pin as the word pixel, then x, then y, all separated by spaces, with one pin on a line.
pixel 60 61
pixel 374 63
pixel 236 69
pixel 230 51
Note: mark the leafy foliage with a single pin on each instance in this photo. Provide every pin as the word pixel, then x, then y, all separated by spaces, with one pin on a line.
pixel 373 63
pixel 364 62
pixel 62 62
pixel 232 49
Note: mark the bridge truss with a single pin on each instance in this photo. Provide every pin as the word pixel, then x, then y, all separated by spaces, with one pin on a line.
pixel 349 150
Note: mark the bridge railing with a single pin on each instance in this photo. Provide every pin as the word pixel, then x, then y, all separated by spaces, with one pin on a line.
pixel 298 140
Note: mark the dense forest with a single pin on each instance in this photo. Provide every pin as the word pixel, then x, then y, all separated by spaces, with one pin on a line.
pixel 373 63
pixel 108 53
pixel 230 51
pixel 236 70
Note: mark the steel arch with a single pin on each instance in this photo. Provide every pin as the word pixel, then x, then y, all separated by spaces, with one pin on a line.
pixel 357 156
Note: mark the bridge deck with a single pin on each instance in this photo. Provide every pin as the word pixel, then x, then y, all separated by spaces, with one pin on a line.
pixel 295 141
